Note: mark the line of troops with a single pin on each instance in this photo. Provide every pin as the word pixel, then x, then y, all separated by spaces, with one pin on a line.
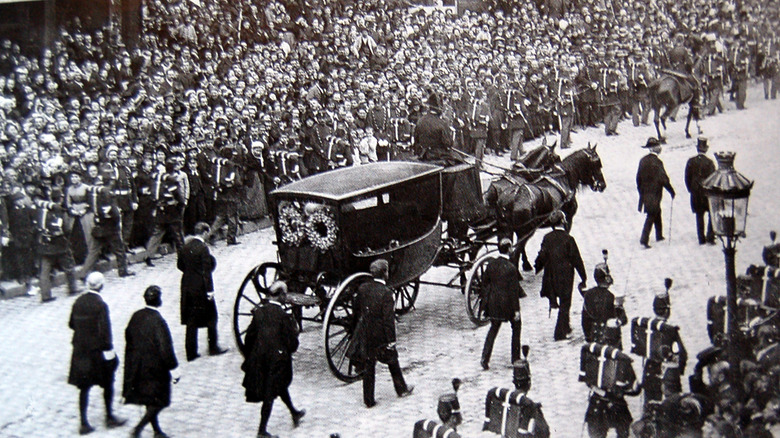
pixel 716 406
pixel 107 209
pixel 497 111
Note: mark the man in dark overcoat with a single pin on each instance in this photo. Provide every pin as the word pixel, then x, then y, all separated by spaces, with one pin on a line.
pixel 651 179
pixel 93 361
pixel 375 331
pixel 432 136
pixel 149 360
pixel 197 292
pixel 559 256
pixel 502 293
pixel 271 339
pixel 697 170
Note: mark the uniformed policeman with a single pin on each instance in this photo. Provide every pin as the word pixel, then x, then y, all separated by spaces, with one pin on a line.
pixel 565 106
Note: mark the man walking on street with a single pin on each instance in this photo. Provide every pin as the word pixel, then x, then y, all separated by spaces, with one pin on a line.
pixel 697 170
pixel 271 339
pixel 197 292
pixel 559 256
pixel 651 179
pixel 93 361
pixel 53 245
pixel 375 331
pixel 149 362
pixel 501 294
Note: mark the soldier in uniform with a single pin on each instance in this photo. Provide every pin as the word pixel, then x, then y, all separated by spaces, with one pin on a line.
pixel 379 119
pixel 169 196
pixel 607 409
pixel 53 245
pixel 107 230
pixel 512 103
pixel 587 84
pixel 741 76
pixel 661 378
pixel 610 87
pixel 598 305
pixel 651 179
pixel 227 196
pixel 714 77
pixel 124 192
pixel 697 169
pixel 477 119
pixel 532 422
pixel 565 106
pixel 638 76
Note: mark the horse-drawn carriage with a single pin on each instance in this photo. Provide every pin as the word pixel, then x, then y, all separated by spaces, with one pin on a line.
pixel 331 226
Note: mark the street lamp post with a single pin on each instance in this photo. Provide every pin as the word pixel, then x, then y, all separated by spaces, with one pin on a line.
pixel 728 192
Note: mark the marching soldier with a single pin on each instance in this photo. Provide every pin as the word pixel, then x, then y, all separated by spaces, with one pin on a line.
pixel 598 305
pixel 565 106
pixel 697 170
pixel 107 230
pixel 124 191
pixel 477 119
pixel 53 245
pixel 714 78
pixel 533 419
pixel 227 181
pixel 607 409
pixel 661 376
pixel 169 197
pixel 515 122
pixel 638 76
pixel 610 86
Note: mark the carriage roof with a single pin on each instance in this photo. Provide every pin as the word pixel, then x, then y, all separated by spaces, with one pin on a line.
pixel 352 182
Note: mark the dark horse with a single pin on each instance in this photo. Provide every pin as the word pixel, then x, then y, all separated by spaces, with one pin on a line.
pixel 670 91
pixel 521 207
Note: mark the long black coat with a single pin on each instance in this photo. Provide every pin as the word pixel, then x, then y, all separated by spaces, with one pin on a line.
pixel 196 264
pixel 598 306
pixel 502 290
pixel 91 325
pixel 271 339
pixel 697 170
pixel 651 179
pixel 432 138
pixel 375 312
pixel 149 359
pixel 559 256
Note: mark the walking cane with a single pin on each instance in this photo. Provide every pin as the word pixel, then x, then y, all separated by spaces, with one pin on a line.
pixel 671 216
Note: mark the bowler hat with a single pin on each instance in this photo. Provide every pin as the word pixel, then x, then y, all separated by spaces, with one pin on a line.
pixel 652 142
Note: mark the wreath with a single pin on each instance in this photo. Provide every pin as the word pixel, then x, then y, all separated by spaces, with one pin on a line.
pixel 321 230
pixel 291 225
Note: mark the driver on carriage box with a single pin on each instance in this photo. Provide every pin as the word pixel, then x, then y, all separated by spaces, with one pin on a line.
pixel 432 136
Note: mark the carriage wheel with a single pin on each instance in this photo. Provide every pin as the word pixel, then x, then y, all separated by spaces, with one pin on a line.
pixel 474 290
pixel 339 326
pixel 251 294
pixel 405 296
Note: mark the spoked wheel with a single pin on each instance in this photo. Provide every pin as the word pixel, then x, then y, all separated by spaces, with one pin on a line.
pixel 474 291
pixel 253 291
pixel 339 326
pixel 405 296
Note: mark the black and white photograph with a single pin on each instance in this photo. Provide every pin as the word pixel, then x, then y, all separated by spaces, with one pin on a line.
pixel 352 198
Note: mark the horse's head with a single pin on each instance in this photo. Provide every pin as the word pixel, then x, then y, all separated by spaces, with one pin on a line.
pixel 597 182
pixel 542 157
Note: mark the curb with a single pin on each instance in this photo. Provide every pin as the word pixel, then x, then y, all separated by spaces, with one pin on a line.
pixel 13 289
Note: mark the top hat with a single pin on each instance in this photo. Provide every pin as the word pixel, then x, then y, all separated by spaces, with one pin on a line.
pixel 702 145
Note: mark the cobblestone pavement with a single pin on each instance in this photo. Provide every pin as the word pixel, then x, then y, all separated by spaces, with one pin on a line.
pixel 437 341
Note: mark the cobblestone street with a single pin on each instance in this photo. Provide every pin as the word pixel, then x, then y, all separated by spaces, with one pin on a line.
pixel 436 340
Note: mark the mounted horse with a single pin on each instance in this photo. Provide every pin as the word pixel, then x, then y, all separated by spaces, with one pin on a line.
pixel 521 206
pixel 671 90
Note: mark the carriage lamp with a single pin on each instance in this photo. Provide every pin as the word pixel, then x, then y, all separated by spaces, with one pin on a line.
pixel 728 192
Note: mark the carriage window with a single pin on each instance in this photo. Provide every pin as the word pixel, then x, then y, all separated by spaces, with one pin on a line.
pixel 395 217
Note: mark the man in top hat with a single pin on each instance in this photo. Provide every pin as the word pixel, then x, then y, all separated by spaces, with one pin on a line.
pixel 532 417
pixel 432 136
pixel 375 332
pixel 502 293
pixel 651 179
pixel 697 170
pixel 559 256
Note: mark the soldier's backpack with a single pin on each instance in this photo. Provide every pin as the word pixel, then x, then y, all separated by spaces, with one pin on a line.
pixel 605 367
pixel 512 415
pixel 224 173
pixel 717 323
pixel 761 284
pixel 432 429
pixel 652 338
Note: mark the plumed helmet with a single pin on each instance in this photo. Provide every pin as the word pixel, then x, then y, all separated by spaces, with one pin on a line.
pixel 601 274
pixel 95 281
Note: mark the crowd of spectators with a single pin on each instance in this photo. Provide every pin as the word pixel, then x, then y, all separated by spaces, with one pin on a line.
pixel 297 87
